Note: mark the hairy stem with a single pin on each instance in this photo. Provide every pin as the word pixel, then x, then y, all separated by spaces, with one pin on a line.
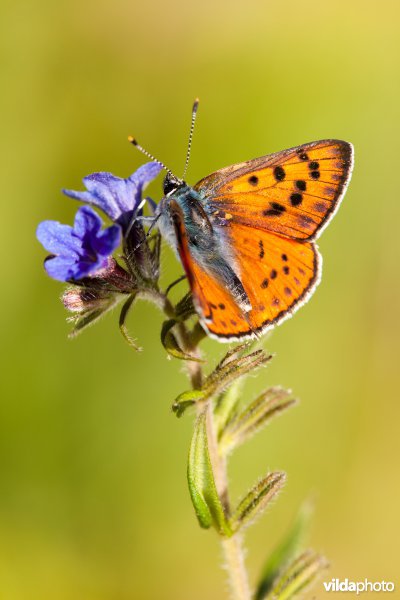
pixel 234 561
pixel 232 546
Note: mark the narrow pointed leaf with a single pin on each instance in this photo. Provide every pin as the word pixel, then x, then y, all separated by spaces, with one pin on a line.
pixel 89 317
pixel 170 342
pixel 257 500
pixel 186 400
pixel 174 283
pixel 220 379
pixel 244 424
pixel 235 352
pixel 225 405
pixel 84 321
pixel 241 363
pixel 300 575
pixel 285 552
pixel 185 308
pixel 207 504
pixel 122 318
pixel 155 249
pixel 197 335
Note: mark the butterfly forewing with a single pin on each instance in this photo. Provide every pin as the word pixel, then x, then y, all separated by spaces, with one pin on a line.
pixel 293 193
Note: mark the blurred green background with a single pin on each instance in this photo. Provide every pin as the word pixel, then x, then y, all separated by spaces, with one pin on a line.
pixel 93 500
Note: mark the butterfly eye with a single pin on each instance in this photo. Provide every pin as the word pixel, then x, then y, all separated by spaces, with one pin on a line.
pixel 171 184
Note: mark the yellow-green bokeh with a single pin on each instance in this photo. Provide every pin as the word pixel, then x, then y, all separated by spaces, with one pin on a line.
pixel 93 500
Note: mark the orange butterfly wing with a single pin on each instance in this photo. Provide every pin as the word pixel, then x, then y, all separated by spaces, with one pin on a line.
pixel 278 275
pixel 293 193
pixel 218 311
pixel 269 209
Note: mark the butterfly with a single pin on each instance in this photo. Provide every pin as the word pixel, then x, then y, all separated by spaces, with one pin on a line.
pixel 246 234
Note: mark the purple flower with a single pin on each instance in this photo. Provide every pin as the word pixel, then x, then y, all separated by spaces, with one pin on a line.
pixel 116 197
pixel 80 250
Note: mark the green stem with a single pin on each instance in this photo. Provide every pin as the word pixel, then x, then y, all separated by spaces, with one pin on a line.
pixel 234 560
pixel 232 546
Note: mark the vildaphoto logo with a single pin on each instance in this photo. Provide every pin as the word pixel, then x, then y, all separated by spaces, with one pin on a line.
pixel 345 585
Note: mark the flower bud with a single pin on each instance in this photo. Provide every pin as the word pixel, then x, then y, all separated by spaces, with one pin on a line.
pixel 83 299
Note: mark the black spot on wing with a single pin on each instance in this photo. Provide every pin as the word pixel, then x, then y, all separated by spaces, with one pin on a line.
pixel 279 173
pixel 301 154
pixel 301 185
pixel 275 211
pixel 253 180
pixel 296 199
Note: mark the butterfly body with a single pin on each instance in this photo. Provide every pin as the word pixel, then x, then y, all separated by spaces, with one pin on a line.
pixel 245 234
pixel 185 220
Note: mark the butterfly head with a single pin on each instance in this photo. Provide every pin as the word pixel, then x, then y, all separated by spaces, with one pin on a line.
pixel 171 184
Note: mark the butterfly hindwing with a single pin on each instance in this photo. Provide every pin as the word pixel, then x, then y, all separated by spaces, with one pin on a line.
pixel 277 274
pixel 293 193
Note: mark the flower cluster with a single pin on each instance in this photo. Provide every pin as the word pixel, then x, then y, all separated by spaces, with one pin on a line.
pixel 82 254
pixel 80 250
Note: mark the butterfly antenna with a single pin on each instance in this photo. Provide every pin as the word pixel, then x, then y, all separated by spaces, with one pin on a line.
pixel 135 143
pixel 194 114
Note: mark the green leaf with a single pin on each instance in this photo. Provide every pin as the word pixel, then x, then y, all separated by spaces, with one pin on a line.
pixel 186 400
pixel 122 318
pixel 235 352
pixel 174 283
pixel 155 250
pixel 88 317
pixel 207 504
pixel 285 551
pixel 228 372
pixel 218 381
pixel 300 574
pixel 84 321
pixel 257 500
pixel 170 342
pixel 229 397
pixel 236 358
pixel 196 335
pixel 225 404
pixel 185 309
pixel 244 424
